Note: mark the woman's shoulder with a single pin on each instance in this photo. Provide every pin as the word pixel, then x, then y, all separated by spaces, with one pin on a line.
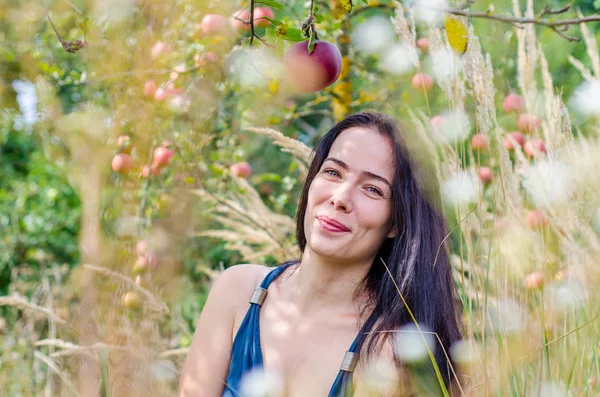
pixel 242 277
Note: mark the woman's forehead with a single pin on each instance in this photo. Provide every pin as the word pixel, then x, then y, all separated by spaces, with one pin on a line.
pixel 363 149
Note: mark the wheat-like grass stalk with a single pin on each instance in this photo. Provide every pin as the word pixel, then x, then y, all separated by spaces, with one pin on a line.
pixel 406 30
pixel 289 145
pixel 591 46
pixel 155 303
pixel 56 369
pixel 585 72
pixel 69 348
pixel 482 87
pixel 21 303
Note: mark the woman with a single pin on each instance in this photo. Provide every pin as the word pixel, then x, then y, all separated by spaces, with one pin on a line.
pixel 361 219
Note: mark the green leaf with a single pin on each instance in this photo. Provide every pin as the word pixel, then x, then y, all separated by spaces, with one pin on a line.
pixel 311 42
pixel 294 34
pixel 273 21
pixel 271 3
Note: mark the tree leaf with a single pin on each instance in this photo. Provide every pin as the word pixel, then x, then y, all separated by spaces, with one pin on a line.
pixel 346 4
pixel 293 34
pixel 458 34
pixel 273 21
pixel 311 42
pixel 270 3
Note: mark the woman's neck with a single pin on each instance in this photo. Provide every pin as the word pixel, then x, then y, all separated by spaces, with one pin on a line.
pixel 320 284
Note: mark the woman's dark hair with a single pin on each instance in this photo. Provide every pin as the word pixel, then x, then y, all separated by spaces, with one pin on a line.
pixel 417 257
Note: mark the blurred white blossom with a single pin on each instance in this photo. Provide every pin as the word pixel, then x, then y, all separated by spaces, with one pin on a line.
pixel 445 64
pixel 586 98
pixel 429 11
pixel 548 182
pixel 396 59
pixel 261 383
pixel 460 189
pixel 114 10
pixel 552 389
pixel 454 126
pixel 164 370
pixel 373 35
pixel 410 344
pixel 507 317
pixel 465 351
pixel 567 296
pixel 253 68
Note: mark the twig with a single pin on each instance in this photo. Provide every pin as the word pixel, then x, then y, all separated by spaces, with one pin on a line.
pixel 69 46
pixel 538 20
pixel 252 34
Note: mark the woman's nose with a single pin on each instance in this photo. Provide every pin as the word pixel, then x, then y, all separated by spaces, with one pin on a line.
pixel 340 198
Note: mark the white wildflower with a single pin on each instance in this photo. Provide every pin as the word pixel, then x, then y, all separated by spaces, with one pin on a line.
pixel 261 383
pixel 548 182
pixel 396 59
pixel 460 189
pixel 411 345
pixel 373 35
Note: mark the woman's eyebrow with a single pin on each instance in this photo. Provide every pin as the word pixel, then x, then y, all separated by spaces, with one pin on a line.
pixel 364 173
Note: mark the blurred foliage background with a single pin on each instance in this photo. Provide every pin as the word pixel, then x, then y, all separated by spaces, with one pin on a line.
pixel 150 71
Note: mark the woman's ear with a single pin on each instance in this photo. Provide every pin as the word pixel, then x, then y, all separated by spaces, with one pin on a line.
pixel 393 232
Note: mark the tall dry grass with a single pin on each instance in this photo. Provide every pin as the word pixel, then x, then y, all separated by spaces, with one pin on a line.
pixel 529 294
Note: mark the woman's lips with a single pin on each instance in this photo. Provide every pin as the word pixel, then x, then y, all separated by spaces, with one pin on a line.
pixel 332 225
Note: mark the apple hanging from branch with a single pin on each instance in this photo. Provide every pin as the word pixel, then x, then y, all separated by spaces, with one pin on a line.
pixel 313 64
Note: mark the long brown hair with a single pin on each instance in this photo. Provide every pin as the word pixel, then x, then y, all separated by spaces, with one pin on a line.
pixel 417 257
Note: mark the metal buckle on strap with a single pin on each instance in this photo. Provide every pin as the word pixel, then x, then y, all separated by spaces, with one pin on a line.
pixel 349 362
pixel 259 296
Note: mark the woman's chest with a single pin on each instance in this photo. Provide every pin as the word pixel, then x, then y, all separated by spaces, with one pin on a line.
pixel 307 354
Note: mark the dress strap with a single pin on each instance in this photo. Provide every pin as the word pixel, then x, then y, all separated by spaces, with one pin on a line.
pixel 260 293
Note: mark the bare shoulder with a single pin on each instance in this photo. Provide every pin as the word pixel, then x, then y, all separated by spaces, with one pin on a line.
pixel 239 281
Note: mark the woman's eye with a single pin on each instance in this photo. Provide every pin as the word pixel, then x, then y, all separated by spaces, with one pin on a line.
pixel 372 189
pixel 331 171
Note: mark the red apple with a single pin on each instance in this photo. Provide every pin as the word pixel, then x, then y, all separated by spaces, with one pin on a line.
pixel 315 71
pixel 238 25
pixel 162 94
pixel 422 81
pixel 534 280
pixel 147 170
pixel 478 142
pixel 131 300
pixel 513 103
pixel 125 146
pixel 437 122
pixel 162 156
pixel 159 49
pixel 242 170
pixel 150 88
pixel 534 146
pixel 536 219
pixel 516 136
pixel 141 265
pixel 423 44
pixel 528 123
pixel 141 247
pixel 261 12
pixel 485 174
pixel 214 24
pixel 122 163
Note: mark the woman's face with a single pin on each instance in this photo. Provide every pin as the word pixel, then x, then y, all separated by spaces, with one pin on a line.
pixel 349 201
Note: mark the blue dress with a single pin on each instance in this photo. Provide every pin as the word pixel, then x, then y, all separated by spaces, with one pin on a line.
pixel 246 353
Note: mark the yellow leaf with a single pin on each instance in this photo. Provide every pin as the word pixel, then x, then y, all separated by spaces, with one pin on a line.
pixel 347 4
pixel 458 34
pixel 273 86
